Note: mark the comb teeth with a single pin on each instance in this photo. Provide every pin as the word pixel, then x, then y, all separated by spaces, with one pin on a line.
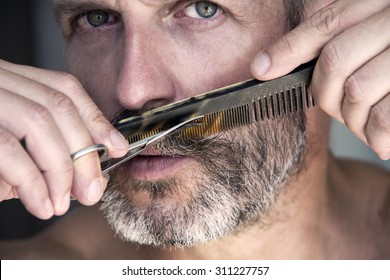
pixel 268 107
pixel 283 103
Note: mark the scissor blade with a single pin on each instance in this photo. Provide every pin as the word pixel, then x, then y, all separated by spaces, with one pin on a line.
pixel 136 148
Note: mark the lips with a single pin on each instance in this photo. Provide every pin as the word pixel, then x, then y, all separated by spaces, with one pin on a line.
pixel 153 165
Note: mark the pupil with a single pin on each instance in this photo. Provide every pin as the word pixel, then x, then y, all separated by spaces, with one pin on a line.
pixel 97 18
pixel 206 9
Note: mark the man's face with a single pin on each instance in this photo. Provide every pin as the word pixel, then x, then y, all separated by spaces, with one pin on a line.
pixel 140 54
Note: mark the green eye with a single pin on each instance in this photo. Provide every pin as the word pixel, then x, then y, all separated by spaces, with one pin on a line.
pixel 206 9
pixel 97 18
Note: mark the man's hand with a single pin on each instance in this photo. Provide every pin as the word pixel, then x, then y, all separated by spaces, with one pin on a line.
pixel 44 117
pixel 351 80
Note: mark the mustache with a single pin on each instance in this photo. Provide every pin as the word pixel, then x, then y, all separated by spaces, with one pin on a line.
pixel 176 145
pixel 173 145
pixel 124 114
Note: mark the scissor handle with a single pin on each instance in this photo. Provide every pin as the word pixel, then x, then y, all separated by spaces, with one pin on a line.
pixel 100 148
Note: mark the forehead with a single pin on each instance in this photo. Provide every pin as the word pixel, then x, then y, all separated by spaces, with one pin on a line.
pixel 242 4
pixel 149 2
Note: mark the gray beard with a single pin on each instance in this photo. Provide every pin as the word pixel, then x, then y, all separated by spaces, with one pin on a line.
pixel 243 171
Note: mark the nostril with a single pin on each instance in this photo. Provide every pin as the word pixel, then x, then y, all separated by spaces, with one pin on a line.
pixel 153 104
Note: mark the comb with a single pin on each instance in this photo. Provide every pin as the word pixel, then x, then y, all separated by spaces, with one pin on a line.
pixel 226 108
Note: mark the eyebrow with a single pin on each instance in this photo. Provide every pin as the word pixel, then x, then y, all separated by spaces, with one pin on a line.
pixel 63 8
pixel 72 7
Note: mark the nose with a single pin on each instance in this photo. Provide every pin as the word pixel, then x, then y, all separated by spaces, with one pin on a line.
pixel 145 80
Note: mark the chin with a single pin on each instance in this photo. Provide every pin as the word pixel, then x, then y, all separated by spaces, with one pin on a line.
pixel 190 192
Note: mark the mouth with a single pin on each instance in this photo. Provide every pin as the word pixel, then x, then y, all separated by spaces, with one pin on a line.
pixel 152 165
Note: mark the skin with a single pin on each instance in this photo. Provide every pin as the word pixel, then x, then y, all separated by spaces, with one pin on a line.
pixel 330 209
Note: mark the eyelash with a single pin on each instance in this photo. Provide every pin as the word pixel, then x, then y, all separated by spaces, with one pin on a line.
pixel 75 24
pixel 181 13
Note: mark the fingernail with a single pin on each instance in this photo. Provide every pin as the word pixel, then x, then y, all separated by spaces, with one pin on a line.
pixel 65 203
pixel 118 141
pixel 107 177
pixel 96 189
pixel 261 63
pixel 49 207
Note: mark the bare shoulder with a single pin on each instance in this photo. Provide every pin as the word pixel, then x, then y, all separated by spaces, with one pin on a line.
pixel 81 234
pixel 363 196
pixel 34 249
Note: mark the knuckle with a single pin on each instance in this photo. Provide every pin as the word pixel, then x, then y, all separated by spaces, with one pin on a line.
pixel 353 90
pixel 70 82
pixel 288 45
pixel 96 116
pixel 39 115
pixel 380 118
pixel 378 130
pixel 327 21
pixel 324 101
pixel 60 103
pixel 332 60
pixel 8 140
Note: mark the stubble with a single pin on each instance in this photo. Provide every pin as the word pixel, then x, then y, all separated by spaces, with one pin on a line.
pixel 240 175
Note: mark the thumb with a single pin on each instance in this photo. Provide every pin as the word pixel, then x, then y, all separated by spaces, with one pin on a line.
pixel 280 59
pixel 295 48
pixel 306 42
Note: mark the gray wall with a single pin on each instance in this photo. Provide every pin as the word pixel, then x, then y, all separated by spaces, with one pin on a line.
pixel 48 50
pixel 344 144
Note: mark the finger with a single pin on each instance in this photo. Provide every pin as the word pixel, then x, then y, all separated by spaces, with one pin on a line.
pixel 71 127
pixel 66 119
pixel 92 194
pixel 342 56
pixel 7 191
pixel 44 143
pixel 100 129
pixel 364 89
pixel 305 42
pixel 378 128
pixel 27 178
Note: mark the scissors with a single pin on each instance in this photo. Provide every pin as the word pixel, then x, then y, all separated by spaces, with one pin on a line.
pixel 108 164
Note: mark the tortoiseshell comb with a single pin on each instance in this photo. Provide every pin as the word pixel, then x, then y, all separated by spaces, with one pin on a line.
pixel 226 108
pixel 212 112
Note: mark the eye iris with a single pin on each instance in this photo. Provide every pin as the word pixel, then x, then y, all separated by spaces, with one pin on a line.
pixel 206 9
pixel 97 18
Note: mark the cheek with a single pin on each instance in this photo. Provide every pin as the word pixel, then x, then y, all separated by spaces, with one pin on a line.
pixel 222 57
pixel 210 62
pixel 96 66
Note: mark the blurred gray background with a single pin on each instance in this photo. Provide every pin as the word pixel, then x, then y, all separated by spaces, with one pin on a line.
pixel 29 35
